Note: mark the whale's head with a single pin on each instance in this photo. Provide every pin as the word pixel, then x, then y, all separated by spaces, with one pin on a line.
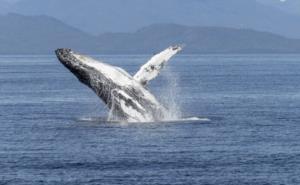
pixel 77 67
pixel 100 77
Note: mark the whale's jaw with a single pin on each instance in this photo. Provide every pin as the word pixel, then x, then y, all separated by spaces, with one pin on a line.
pixel 126 98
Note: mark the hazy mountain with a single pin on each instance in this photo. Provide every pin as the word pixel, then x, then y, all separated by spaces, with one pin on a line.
pixel 95 16
pixel 39 34
pixel 289 6
pixel 42 35
pixel 197 40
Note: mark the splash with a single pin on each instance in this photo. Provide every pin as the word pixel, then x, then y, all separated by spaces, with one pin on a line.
pixel 170 95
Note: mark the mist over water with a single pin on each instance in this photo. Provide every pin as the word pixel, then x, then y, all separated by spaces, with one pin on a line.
pixel 170 94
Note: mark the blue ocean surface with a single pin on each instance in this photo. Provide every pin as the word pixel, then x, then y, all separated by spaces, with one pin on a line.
pixel 53 129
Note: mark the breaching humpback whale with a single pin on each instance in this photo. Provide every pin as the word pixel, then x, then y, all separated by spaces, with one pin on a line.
pixel 127 97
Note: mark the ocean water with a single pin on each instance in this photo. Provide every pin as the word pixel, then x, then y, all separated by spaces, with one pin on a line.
pixel 53 129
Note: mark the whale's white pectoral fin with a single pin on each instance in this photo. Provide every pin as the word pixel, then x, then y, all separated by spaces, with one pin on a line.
pixel 153 67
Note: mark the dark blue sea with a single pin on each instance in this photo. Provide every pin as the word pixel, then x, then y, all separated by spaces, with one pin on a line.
pixel 53 129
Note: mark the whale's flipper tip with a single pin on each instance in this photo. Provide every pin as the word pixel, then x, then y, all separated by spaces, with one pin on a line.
pixel 178 47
